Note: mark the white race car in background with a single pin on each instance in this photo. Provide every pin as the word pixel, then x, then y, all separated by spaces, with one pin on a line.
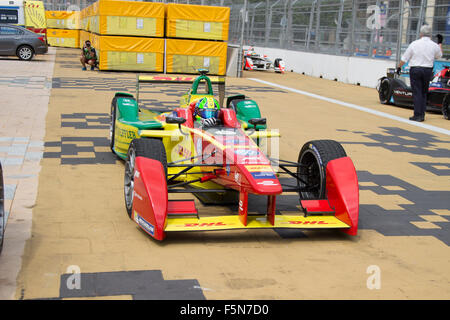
pixel 254 61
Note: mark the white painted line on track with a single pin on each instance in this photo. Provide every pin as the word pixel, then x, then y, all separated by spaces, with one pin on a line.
pixel 360 108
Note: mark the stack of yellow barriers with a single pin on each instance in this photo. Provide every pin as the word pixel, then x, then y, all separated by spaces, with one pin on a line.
pixel 63 28
pixel 147 36
pixel 190 30
pixel 127 35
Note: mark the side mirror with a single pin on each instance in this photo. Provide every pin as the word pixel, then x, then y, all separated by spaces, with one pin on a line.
pixel 257 121
pixel 175 120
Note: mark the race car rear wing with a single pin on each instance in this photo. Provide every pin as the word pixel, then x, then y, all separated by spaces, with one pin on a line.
pixel 220 81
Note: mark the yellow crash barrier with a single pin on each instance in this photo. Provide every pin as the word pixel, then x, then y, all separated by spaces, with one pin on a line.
pixel 63 38
pixel 63 20
pixel 197 22
pixel 187 56
pixel 129 53
pixel 127 18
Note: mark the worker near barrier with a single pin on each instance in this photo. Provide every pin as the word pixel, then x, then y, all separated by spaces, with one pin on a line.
pixel 421 55
pixel 88 55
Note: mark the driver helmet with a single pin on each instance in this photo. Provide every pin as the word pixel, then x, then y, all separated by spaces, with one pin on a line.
pixel 207 108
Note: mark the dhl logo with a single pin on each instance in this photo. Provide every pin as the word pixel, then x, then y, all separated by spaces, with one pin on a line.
pixel 308 222
pixel 213 224
pixel 170 78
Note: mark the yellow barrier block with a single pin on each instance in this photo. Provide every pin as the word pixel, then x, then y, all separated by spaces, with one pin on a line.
pixel 129 53
pixel 63 20
pixel 127 18
pixel 187 56
pixel 84 35
pixel 197 22
pixel 63 38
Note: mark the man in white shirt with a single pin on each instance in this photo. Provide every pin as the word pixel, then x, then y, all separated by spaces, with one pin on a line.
pixel 421 55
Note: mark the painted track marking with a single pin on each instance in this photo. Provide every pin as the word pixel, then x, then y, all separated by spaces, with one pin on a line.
pixel 360 108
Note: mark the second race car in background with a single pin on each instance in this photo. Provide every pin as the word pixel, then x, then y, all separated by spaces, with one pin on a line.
pixel 255 61
pixel 396 90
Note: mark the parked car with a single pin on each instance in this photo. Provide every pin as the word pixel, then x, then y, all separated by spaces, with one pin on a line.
pixel 20 42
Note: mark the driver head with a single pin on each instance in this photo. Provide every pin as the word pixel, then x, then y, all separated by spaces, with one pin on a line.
pixel 207 108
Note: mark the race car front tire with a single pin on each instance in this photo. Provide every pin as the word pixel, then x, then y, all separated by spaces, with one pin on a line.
pixel 311 172
pixel 446 106
pixel 385 91
pixel 147 148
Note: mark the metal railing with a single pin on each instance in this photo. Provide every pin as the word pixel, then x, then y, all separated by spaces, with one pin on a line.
pixel 379 29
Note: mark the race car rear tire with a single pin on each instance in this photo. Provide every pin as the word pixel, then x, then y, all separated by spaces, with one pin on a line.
pixel 446 106
pixel 147 148
pixel 112 119
pixel 314 157
pixel 385 91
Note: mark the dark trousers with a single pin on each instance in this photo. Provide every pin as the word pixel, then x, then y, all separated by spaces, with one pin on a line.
pixel 420 79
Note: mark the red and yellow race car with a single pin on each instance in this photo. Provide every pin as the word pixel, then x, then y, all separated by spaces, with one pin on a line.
pixel 168 153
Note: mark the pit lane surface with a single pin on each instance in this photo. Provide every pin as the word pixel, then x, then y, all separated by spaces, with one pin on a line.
pixel 79 221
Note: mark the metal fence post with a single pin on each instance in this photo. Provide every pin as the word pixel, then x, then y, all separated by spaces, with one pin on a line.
pixel 423 4
pixel 241 46
pixel 373 33
pixel 339 27
pixel 283 25
pixel 400 31
pixel 352 31
pixel 317 32
pixel 268 22
pixel 311 18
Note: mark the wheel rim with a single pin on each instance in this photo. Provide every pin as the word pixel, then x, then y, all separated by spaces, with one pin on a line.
pixel 129 178
pixel 312 174
pixel 111 126
pixel 25 53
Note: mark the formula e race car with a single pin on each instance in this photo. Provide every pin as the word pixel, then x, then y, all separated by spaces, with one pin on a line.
pixel 167 152
pixel 396 90
pixel 254 61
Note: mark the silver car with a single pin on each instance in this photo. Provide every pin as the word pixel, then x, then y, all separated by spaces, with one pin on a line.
pixel 20 42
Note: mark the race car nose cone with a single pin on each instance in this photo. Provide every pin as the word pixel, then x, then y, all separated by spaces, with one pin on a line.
pixel 263 180
pixel 267 186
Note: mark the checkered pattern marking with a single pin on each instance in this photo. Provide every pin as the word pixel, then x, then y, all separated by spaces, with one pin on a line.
pixel 85 120
pixel 80 150
pixel 26 82
pixel 401 140
pixel 139 285
pixel 436 168
pixel 398 208
pixel 129 85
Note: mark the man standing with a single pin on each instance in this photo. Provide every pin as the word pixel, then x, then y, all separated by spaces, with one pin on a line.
pixel 88 55
pixel 421 55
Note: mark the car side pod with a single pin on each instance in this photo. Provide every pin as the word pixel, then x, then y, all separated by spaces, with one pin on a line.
pixel 150 198
pixel 343 192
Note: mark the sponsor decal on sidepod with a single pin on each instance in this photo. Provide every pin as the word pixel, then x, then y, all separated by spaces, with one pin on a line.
pixel 144 224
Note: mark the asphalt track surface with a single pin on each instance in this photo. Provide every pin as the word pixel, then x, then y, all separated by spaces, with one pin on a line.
pixel 79 219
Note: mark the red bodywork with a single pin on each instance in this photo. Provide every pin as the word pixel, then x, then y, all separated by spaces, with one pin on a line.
pixel 244 169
